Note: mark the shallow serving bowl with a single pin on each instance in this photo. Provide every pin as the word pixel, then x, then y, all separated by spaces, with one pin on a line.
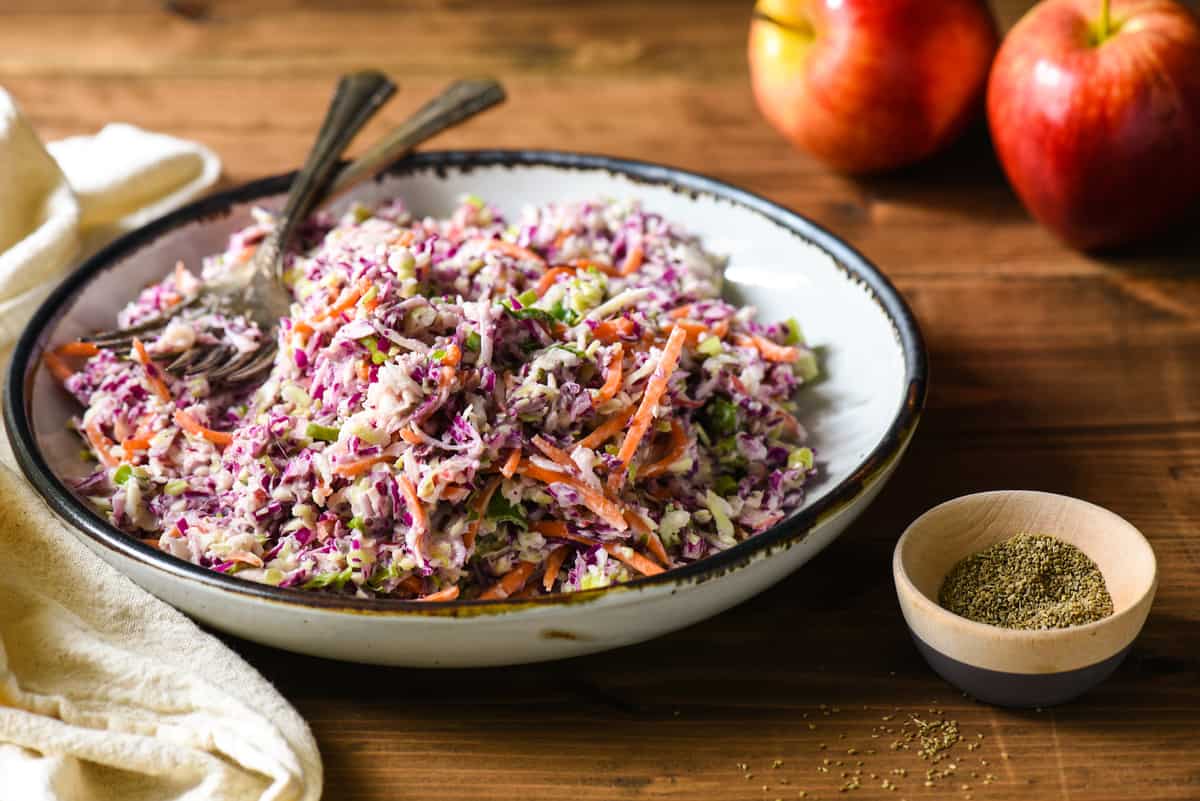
pixel 860 416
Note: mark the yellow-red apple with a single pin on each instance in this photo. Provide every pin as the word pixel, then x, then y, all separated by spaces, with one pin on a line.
pixel 867 85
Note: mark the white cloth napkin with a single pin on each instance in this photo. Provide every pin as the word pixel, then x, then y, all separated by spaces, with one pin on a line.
pixel 62 201
pixel 106 693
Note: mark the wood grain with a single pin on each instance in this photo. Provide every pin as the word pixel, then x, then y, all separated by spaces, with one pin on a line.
pixel 1051 370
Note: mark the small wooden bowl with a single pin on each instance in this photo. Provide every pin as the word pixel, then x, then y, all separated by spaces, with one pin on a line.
pixel 1012 667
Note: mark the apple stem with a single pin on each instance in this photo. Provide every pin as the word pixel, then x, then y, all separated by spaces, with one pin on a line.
pixel 1105 19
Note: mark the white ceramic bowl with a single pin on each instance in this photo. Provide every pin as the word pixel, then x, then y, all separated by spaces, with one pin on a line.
pixel 861 415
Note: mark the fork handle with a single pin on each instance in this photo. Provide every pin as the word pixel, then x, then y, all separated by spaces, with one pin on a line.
pixel 458 102
pixel 357 98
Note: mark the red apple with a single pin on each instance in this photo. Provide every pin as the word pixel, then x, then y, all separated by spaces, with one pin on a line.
pixel 1096 116
pixel 868 85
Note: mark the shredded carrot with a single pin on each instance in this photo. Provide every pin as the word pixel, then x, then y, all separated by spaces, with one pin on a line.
pixel 633 260
pixel 404 238
pixel 302 330
pixel 633 559
pixel 645 532
pixel 453 355
pixel 678 446
pixel 510 582
pixel 509 469
pixel 193 427
pixel 409 435
pixel 516 251
pixel 587 264
pixel 604 507
pixel 612 379
pixel 420 520
pixel 359 466
pixel 655 547
pixel 134 444
pixel 347 299
pixel 554 563
pixel 770 351
pixel 610 331
pixel 455 494
pixel 152 373
pixel 554 452
pixel 608 429
pixel 151 541
pixel 57 367
pixel 480 509
pixel 246 558
pixel 364 371
pixel 530 590
pixel 560 238
pixel 644 416
pixel 681 311
pixel 85 349
pixel 101 444
pixel 547 280
pixel 697 330
pixel 550 528
pixel 558 530
pixel 446 594
pixel 694 330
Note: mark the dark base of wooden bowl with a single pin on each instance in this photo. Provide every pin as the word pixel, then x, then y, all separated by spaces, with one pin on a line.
pixel 1021 690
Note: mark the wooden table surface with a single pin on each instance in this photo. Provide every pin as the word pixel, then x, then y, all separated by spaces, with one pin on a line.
pixel 1050 370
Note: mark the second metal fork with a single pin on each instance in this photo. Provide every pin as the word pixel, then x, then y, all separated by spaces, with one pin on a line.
pixel 257 292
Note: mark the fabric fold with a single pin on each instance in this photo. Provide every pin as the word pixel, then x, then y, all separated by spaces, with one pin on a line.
pixel 107 693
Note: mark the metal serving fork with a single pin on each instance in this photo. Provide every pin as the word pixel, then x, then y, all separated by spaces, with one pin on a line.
pixel 257 293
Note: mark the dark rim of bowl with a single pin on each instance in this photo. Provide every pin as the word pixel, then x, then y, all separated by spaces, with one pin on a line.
pixel 71 508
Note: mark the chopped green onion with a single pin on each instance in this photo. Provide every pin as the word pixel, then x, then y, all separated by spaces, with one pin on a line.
pixel 717 506
pixel 709 346
pixel 500 510
pixel 725 484
pixel 807 366
pixel 326 579
pixel 571 349
pixel 801 457
pixel 794 335
pixel 473 341
pixel 176 487
pixel 123 473
pixel 355 523
pixel 438 355
pixel 318 431
pixel 720 417
pixel 528 297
